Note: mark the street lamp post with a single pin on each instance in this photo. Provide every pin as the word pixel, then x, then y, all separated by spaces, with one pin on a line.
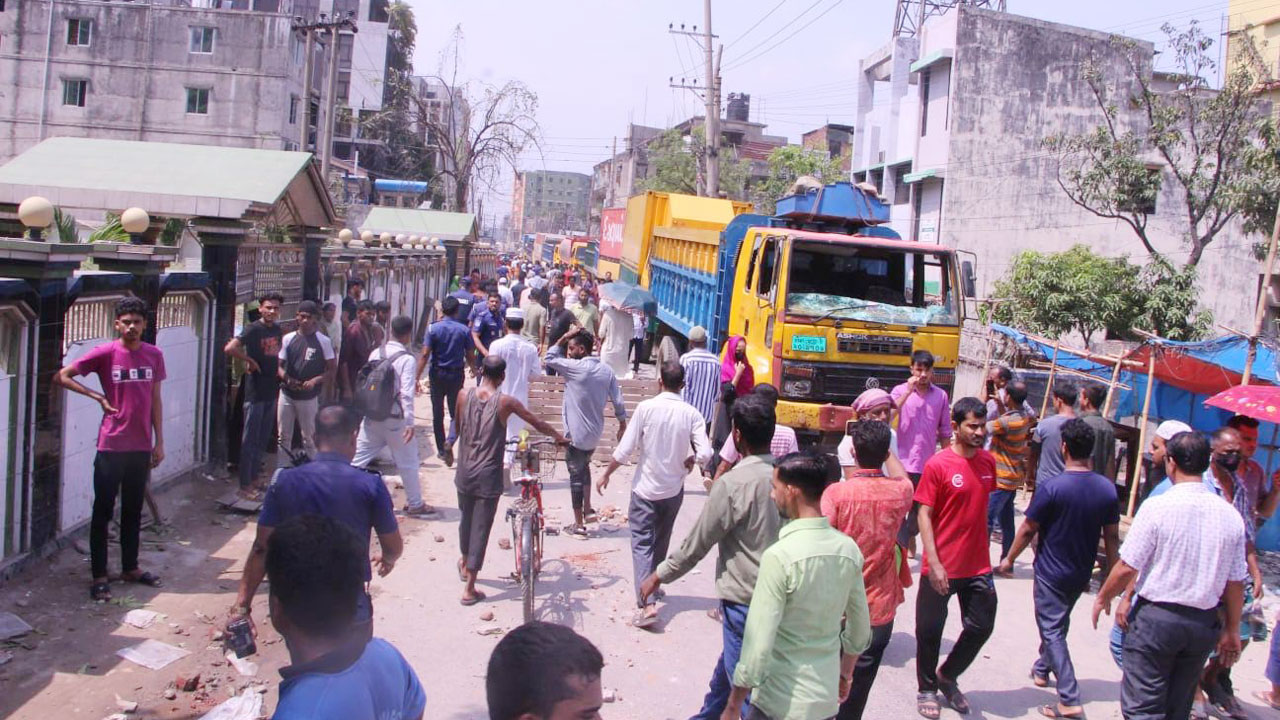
pixel 37 214
pixel 135 221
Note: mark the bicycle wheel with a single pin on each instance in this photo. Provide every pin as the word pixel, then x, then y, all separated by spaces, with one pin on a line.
pixel 527 564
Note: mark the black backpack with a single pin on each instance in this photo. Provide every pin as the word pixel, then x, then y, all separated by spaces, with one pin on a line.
pixel 377 387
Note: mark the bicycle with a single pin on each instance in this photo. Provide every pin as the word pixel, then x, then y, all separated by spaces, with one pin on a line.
pixel 534 463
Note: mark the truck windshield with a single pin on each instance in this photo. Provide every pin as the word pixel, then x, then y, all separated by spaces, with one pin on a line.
pixel 879 285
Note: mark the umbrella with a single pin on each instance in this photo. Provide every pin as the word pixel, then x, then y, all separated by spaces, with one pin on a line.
pixel 629 297
pixel 1261 402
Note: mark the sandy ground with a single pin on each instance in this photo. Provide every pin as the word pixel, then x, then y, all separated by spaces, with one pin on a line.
pixel 67 667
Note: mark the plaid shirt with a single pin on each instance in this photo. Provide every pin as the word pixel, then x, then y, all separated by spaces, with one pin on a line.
pixel 1187 545
pixel 1240 501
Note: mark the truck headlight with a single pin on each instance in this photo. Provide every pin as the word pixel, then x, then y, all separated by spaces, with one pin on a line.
pixel 797 387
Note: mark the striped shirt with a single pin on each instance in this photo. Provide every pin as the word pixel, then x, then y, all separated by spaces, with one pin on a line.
pixel 1010 434
pixel 1187 544
pixel 701 381
pixel 783 444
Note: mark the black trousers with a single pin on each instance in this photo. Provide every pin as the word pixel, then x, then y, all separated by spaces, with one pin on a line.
pixel 444 389
pixel 864 673
pixel 637 348
pixel 474 527
pixel 124 474
pixel 910 527
pixel 978 618
pixel 1164 653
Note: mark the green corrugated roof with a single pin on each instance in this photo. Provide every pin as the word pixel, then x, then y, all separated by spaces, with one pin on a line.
pixel 201 171
pixel 428 223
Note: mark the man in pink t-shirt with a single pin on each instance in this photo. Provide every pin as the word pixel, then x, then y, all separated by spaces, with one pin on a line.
pixel 924 425
pixel 130 372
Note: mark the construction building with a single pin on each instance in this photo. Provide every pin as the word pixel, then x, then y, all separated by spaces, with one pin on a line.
pixel 550 201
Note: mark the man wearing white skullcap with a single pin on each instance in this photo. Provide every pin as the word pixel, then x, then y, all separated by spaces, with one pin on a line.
pixel 523 364
pixel 1156 480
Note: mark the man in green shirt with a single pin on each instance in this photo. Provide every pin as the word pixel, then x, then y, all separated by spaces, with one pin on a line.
pixel 1093 397
pixel 809 580
pixel 742 521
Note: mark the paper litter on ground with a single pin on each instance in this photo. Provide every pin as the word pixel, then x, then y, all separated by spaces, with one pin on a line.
pixel 152 654
pixel 245 706
pixel 12 626
pixel 248 668
pixel 141 619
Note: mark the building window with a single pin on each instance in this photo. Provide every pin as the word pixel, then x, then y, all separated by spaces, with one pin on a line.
pixel 79 32
pixel 901 190
pixel 293 110
pixel 924 100
pixel 197 101
pixel 74 92
pixel 1144 203
pixel 378 11
pixel 202 40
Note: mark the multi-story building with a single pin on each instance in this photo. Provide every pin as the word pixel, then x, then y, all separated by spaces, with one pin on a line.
pixel 950 127
pixel 209 72
pixel 834 140
pixel 616 179
pixel 550 201
pixel 441 118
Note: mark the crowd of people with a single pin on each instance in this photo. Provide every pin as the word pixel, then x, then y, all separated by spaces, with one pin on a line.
pixel 813 549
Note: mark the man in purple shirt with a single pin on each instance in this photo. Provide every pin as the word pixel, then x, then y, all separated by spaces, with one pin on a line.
pixel 924 425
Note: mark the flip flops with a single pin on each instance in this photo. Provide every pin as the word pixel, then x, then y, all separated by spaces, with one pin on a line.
pixel 1052 711
pixel 145 578
pixel 100 592
pixel 468 602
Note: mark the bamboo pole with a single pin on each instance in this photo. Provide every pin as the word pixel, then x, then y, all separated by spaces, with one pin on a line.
pixel 1048 387
pixel 1142 428
pixel 1111 392
pixel 1261 313
pixel 1073 373
pixel 986 364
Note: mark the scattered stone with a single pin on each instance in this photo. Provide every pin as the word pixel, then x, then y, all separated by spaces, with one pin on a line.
pixel 439 538
pixel 504 543
pixel 431 558
pixel 141 619
pixel 11 626
pixel 80 546
pixel 116 716
pixel 5 657
pixel 129 706
pixel 22 602
pixel 610 696
pixel 170 694
pixel 487 616
pixel 489 630
pixel 187 684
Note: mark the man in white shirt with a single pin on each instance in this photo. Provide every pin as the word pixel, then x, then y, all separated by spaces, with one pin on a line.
pixel 671 437
pixel 504 292
pixel 1187 549
pixel 396 432
pixel 307 366
pixel 523 365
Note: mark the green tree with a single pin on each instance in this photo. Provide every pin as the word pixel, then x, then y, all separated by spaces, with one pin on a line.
pixel 403 152
pixel 788 163
pixel 1218 147
pixel 1081 291
pixel 677 163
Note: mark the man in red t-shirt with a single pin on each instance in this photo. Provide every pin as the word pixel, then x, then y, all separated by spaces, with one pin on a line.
pixel 129 372
pixel 952 495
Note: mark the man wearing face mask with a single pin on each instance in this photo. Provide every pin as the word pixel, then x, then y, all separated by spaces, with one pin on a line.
pixel 1223 479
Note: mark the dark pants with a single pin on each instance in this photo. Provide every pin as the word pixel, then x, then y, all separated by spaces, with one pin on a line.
pixel 1164 652
pixel 444 389
pixel 637 347
pixel 125 474
pixel 1000 512
pixel 474 527
pixel 258 417
pixel 733 623
pixel 579 464
pixel 911 526
pixel 1053 619
pixel 978 618
pixel 864 673
pixel 651 524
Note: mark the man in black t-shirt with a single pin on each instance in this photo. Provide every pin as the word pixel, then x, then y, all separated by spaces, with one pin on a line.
pixel 258 347
pixel 307 366
pixel 355 288
pixel 559 320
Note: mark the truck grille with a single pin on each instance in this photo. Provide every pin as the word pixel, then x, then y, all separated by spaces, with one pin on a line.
pixel 842 383
pixel 873 344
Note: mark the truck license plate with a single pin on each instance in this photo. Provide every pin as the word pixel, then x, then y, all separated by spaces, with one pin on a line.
pixel 809 343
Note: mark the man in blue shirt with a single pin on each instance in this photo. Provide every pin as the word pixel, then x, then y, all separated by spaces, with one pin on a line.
pixel 328 486
pixel 466 299
pixel 447 350
pixel 315 566
pixel 1069 512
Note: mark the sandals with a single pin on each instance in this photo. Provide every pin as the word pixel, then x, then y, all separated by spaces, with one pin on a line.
pixel 100 592
pixel 1264 696
pixel 469 601
pixel 145 578
pixel 927 705
pixel 956 699
pixel 644 621
pixel 1052 711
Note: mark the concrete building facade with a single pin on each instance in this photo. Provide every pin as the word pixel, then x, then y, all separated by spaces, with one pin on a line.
pixel 950 128
pixel 834 140
pixel 551 201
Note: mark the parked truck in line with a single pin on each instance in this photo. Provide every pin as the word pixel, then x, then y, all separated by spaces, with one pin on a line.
pixel 830 302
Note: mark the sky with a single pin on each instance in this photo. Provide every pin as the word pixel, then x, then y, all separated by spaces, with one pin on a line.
pixel 598 64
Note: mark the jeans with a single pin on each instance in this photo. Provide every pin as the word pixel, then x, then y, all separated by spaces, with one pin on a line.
pixel 257 430
pixel 978 618
pixel 377 434
pixel 1053 619
pixel 303 412
pixel 474 527
pixel 651 524
pixel 1273 659
pixel 579 464
pixel 864 673
pixel 1000 511
pixel 125 473
pixel 911 526
pixel 445 389
pixel 1164 652
pixel 733 623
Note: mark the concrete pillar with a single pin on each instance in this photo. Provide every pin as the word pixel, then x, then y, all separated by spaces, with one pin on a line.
pixel 314 240
pixel 146 263
pixel 220 240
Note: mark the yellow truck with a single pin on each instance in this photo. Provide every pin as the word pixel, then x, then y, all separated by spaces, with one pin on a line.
pixel 829 301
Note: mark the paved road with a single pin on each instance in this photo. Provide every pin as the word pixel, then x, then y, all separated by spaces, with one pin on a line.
pixel 70 670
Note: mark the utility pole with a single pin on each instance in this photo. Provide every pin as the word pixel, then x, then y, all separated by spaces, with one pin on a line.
pixel 613 170
pixel 710 95
pixel 307 70
pixel 333 25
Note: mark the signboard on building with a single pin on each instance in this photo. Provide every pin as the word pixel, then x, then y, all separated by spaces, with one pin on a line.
pixel 611 222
